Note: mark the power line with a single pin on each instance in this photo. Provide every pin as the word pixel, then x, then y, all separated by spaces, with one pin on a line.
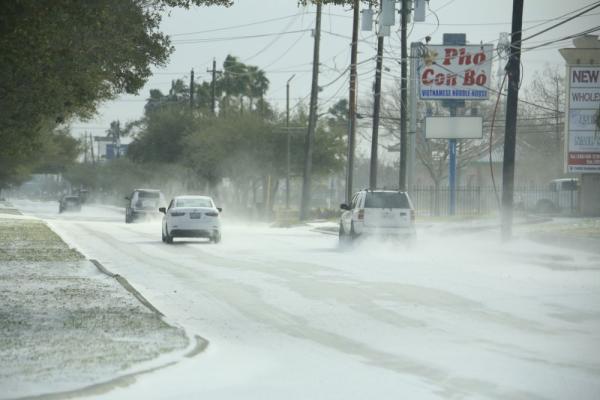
pixel 596 5
pixel 585 32
pixel 238 26
pixel 227 38
pixel 274 40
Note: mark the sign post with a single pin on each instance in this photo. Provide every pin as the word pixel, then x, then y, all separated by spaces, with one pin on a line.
pixel 455 72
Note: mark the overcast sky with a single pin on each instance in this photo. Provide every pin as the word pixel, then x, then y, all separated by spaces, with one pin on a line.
pixel 283 45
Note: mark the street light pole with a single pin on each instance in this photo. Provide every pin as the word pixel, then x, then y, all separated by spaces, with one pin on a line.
pixel 287 124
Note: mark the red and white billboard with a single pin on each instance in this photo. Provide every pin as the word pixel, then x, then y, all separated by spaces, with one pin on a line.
pixel 456 72
pixel 582 134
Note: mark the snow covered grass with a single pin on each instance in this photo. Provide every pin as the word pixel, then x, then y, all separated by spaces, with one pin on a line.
pixel 31 240
pixel 64 325
pixel 578 227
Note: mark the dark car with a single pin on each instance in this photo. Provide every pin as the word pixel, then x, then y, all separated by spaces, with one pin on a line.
pixel 69 203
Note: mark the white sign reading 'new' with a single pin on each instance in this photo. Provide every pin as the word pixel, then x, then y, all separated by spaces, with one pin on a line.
pixel 583 102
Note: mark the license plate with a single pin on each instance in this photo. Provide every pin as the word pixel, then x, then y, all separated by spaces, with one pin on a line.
pixel 195 215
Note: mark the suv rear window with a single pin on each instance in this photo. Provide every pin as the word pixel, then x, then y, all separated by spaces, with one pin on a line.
pixel 148 195
pixel 386 200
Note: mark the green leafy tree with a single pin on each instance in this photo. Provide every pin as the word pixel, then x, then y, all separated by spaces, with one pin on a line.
pixel 59 150
pixel 62 58
pixel 161 136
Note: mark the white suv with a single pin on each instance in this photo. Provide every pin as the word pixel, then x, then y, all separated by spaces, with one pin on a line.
pixel 143 203
pixel 377 212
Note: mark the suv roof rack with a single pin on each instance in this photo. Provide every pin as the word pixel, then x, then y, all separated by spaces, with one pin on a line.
pixel 379 189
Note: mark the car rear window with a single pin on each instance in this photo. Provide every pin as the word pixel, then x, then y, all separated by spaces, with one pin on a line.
pixel 193 203
pixel 386 200
pixel 149 195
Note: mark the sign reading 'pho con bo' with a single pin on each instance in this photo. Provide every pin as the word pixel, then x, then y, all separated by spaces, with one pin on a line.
pixel 456 72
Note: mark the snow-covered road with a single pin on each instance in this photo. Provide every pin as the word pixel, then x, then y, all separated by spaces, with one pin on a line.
pixel 289 315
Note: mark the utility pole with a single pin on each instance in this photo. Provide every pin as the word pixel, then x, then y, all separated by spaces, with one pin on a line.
pixel 312 122
pixel 213 86
pixel 85 147
pixel 192 89
pixel 376 110
pixel 288 149
pixel 352 102
pixel 416 50
pixel 92 148
pixel 513 70
pixel 403 95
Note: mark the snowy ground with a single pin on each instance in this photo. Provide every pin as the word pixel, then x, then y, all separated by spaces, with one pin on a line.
pixel 291 316
pixel 64 325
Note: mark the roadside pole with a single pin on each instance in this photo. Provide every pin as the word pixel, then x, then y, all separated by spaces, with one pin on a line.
pixel 403 95
pixel 288 149
pixel 412 120
pixel 192 89
pixel 452 166
pixel 312 123
pixel 376 110
pixel 213 86
pixel 352 103
pixel 510 139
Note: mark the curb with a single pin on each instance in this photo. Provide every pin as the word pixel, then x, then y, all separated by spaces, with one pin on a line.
pixel 200 344
pixel 118 382
pixel 325 231
pixel 127 286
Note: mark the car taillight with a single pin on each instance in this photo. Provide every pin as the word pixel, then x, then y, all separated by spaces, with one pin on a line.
pixel 361 214
pixel 212 214
pixel 412 216
pixel 177 214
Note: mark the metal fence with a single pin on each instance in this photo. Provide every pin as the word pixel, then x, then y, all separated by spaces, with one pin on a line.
pixel 476 200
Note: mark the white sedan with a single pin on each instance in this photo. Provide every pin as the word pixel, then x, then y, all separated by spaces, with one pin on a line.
pixel 191 217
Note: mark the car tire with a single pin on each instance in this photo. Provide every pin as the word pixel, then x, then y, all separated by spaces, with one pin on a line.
pixel 342 237
pixel 353 235
pixel 168 238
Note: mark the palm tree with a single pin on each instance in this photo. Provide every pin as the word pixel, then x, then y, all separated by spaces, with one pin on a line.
pixel 235 80
pixel 259 84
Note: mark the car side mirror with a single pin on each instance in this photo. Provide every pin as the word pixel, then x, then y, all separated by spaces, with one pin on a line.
pixel 344 206
pixel 220 209
pixel 162 210
pixel 127 198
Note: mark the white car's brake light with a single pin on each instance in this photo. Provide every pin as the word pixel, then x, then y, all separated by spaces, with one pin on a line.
pixel 177 214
